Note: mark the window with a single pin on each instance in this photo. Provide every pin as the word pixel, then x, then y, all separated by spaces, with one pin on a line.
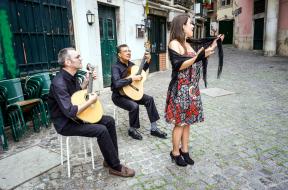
pixel 140 30
pixel 40 29
pixel 101 27
pixel 259 6
pixel 225 2
pixel 110 29
pixel 162 43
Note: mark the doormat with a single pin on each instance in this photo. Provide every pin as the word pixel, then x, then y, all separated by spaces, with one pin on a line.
pixel 216 92
pixel 25 165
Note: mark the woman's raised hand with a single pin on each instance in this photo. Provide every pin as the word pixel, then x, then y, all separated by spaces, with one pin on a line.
pixel 209 51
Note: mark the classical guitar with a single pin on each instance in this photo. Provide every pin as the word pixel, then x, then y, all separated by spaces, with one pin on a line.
pixel 135 90
pixel 94 112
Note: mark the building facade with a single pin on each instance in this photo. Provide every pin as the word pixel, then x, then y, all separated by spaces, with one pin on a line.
pixel 30 43
pixel 255 25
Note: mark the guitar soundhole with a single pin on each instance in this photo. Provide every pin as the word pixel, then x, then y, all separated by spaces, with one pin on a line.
pixel 87 97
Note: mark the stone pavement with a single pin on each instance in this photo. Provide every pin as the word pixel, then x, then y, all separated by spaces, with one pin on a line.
pixel 243 143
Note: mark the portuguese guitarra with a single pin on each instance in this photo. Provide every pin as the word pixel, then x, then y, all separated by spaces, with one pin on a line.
pixel 94 112
pixel 135 90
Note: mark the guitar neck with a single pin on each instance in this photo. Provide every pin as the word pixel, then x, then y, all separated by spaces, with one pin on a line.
pixel 90 83
pixel 141 66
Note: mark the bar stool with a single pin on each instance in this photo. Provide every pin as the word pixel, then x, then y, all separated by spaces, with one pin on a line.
pixel 68 151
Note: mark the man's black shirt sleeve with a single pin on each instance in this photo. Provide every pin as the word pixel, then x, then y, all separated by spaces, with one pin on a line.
pixel 117 80
pixel 63 99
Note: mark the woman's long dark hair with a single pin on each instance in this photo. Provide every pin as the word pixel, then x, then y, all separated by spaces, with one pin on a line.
pixel 176 31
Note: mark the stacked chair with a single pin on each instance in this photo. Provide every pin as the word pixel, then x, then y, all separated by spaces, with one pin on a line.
pixel 80 76
pixel 25 99
pixel 19 105
pixel 43 79
pixel 3 137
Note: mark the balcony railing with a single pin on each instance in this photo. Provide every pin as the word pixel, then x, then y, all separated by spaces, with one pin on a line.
pixel 185 3
pixel 209 6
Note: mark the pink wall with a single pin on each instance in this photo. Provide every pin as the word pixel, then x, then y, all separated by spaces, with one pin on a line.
pixel 245 18
pixel 283 14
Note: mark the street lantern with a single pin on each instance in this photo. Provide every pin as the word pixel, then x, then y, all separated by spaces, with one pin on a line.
pixel 147 23
pixel 90 17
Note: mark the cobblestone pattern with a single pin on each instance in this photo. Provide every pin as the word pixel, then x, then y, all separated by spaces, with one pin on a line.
pixel 243 143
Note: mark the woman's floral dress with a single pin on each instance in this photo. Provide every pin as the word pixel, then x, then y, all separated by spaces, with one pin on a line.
pixel 183 104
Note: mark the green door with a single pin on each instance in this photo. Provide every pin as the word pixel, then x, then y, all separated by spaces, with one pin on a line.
pixel 226 28
pixel 157 38
pixel 108 40
pixel 258 34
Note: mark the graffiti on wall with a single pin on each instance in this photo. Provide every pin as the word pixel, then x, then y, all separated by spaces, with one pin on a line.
pixel 8 67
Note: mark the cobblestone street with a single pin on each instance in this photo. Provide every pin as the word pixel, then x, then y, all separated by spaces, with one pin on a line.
pixel 243 143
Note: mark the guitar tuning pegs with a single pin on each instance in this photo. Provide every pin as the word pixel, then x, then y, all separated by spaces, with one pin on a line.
pixel 89 67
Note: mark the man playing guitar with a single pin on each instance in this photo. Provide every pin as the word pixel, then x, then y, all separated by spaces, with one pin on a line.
pixel 120 79
pixel 63 112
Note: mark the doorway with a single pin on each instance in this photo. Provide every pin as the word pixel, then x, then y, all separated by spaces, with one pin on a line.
pixel 258 34
pixel 157 38
pixel 108 40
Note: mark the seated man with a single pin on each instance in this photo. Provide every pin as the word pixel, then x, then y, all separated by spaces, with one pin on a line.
pixel 63 113
pixel 119 80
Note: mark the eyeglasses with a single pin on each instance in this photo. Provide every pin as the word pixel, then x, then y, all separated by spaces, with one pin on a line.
pixel 126 51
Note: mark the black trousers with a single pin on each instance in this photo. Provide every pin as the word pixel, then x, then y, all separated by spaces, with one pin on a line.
pixel 132 106
pixel 105 133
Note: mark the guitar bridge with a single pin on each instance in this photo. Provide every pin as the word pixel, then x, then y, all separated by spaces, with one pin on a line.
pixel 134 87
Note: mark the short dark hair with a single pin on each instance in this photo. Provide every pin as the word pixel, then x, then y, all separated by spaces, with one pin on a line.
pixel 63 55
pixel 121 46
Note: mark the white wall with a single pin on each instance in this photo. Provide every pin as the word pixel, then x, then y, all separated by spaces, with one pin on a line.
pixel 87 38
pixel 133 14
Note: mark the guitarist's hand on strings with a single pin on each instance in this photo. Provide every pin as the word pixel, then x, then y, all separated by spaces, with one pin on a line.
pixel 136 77
pixel 92 98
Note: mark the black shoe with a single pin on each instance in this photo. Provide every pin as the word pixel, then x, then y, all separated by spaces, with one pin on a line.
pixel 135 134
pixel 178 160
pixel 186 157
pixel 158 133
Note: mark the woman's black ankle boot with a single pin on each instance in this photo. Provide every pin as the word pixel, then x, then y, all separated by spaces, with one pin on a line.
pixel 178 160
pixel 186 157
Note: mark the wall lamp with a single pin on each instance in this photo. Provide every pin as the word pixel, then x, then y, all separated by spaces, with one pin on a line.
pixel 90 17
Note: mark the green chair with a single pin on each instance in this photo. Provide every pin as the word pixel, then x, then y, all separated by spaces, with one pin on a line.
pixel 3 137
pixel 44 79
pixel 17 106
pixel 81 75
pixel 11 117
pixel 46 82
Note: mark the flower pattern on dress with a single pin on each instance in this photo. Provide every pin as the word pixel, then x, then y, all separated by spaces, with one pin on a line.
pixel 184 105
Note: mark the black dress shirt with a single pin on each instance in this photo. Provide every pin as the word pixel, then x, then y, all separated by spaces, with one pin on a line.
pixel 119 74
pixel 59 100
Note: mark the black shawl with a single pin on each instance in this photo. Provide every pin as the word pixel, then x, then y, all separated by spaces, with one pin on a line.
pixel 177 59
